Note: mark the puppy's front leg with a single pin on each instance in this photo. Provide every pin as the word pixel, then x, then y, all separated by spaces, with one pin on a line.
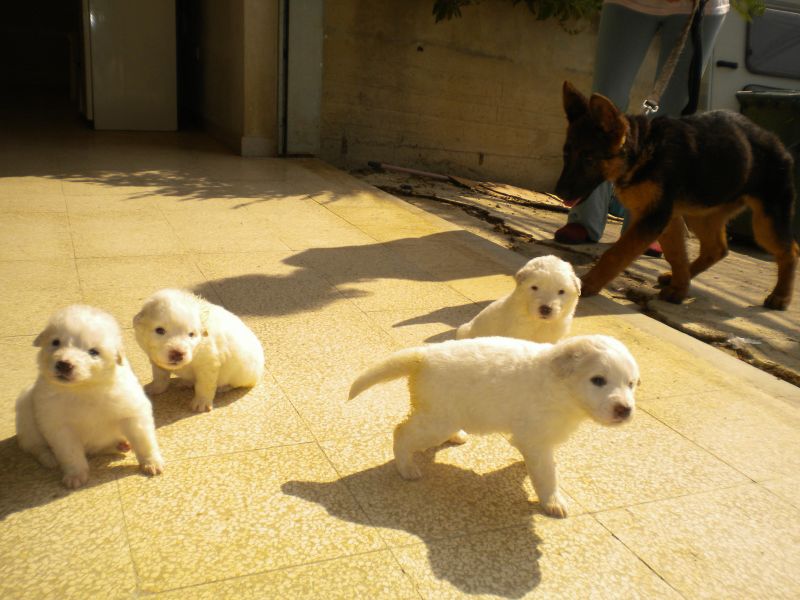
pixel 70 454
pixel 205 388
pixel 541 467
pixel 160 381
pixel 142 436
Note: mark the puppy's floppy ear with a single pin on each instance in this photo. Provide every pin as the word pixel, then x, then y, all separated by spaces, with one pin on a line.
pixel 205 332
pixel 39 341
pixel 567 356
pixel 120 356
pixel 138 317
pixel 577 281
pixel 609 119
pixel 575 104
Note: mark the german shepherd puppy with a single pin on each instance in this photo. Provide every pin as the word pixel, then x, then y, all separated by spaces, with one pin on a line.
pixel 699 170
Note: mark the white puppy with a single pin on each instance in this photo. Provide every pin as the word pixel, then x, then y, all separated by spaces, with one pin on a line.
pixel 540 309
pixel 202 343
pixel 537 393
pixel 86 399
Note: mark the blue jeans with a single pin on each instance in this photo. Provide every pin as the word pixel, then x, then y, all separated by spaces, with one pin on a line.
pixel 623 40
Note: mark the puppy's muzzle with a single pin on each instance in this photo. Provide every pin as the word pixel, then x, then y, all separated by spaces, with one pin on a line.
pixel 545 310
pixel 622 412
pixel 64 369
pixel 176 356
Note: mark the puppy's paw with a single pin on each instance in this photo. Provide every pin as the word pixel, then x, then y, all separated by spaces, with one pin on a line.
pixel 201 404
pixel 154 389
pixel 459 437
pixel 408 470
pixel 152 466
pixel 555 506
pixel 124 446
pixel 75 479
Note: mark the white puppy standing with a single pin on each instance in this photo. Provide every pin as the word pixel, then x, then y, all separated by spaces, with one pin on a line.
pixel 86 399
pixel 202 343
pixel 540 309
pixel 538 393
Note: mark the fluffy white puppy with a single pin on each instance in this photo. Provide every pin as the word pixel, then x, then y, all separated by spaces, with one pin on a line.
pixel 540 309
pixel 202 343
pixel 86 399
pixel 537 393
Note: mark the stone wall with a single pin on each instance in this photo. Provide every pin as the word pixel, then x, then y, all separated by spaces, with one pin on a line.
pixel 478 96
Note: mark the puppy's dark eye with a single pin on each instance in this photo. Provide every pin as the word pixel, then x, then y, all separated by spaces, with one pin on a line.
pixel 631 384
pixel 94 352
pixel 160 330
pixel 535 288
pixel 598 380
pixel 56 343
pixel 560 292
pixel 191 334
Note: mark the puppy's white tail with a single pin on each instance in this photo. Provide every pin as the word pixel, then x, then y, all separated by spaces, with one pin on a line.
pixel 399 364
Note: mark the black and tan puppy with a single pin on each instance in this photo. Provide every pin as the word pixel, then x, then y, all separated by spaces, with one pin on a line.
pixel 699 170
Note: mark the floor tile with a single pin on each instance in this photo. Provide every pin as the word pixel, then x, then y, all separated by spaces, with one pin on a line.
pixel 242 419
pixel 752 432
pixel 58 543
pixel 35 236
pixel 36 290
pixel 785 488
pixel 228 516
pixel 417 326
pixel 478 486
pixel 373 575
pixel 224 231
pixel 740 542
pixel 18 357
pixel 145 274
pixel 547 558
pixel 123 234
pixel 642 461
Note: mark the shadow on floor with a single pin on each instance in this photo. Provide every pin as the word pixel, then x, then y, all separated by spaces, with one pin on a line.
pixel 327 275
pixel 25 484
pixel 449 501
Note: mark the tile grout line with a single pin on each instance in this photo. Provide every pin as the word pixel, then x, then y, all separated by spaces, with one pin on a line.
pixel 639 558
pixel 136 577
pixel 699 447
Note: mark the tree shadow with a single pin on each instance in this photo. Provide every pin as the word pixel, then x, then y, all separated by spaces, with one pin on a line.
pixel 502 558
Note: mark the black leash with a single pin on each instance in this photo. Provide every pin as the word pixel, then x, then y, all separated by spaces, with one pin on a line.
pixel 696 66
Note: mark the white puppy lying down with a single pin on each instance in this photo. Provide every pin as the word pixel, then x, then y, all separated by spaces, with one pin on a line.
pixel 540 308
pixel 202 343
pixel 86 398
pixel 538 393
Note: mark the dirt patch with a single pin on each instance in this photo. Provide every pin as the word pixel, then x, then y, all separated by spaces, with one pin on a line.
pixel 724 308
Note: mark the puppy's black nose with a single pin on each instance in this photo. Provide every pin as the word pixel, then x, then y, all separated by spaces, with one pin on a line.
pixel 175 356
pixel 621 411
pixel 545 310
pixel 64 367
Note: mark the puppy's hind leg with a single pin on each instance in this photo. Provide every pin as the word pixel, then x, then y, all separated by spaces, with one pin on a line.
pixel 541 467
pixel 775 236
pixel 418 432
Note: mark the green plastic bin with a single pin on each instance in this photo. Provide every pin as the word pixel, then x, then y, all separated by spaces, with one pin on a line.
pixel 779 112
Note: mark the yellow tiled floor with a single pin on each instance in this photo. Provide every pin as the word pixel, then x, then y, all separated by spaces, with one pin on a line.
pixel 288 490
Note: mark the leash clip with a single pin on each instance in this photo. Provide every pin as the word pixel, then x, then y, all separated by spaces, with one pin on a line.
pixel 650 106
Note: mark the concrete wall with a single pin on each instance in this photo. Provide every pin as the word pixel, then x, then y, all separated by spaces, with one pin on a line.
pixel 478 96
pixel 239 47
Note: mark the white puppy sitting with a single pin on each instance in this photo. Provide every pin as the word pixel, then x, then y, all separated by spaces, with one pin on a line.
pixel 86 399
pixel 537 393
pixel 202 343
pixel 540 309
